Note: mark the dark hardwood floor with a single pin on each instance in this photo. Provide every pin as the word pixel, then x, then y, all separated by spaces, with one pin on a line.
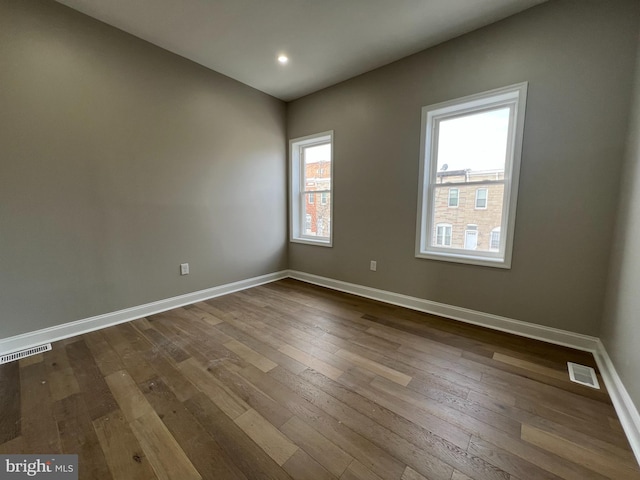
pixel 289 380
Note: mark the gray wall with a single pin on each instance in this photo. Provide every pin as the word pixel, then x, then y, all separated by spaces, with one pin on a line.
pixel 578 57
pixel 118 162
pixel 621 324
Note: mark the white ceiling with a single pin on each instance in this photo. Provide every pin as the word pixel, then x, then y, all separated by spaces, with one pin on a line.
pixel 327 41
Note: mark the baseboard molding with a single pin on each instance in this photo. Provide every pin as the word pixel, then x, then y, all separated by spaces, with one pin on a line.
pixel 625 408
pixel 495 322
pixel 79 327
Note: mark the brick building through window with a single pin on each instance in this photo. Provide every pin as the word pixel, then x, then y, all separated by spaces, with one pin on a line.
pixel 475 216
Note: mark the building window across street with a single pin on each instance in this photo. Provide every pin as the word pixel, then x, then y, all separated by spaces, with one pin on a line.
pixel 494 241
pixel 470 160
pixel 453 197
pixel 443 234
pixel 481 197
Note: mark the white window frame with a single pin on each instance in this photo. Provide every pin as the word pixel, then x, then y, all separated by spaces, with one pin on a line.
pixel 457 190
pixel 514 97
pixel 297 193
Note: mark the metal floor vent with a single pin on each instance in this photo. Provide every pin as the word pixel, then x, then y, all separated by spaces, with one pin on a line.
pixel 583 375
pixel 12 357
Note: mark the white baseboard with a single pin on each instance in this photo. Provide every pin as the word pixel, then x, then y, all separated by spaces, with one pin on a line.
pixel 78 327
pixel 625 408
pixel 627 411
pixel 495 322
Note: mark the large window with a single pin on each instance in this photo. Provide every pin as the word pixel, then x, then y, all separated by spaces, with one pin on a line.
pixel 311 160
pixel 471 146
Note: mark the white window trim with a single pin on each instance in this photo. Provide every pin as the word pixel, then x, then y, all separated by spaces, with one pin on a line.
pixel 515 94
pixel 296 189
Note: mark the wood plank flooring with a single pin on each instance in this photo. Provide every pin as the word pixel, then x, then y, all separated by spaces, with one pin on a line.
pixel 289 380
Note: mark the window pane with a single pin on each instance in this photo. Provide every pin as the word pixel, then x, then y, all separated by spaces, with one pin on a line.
pixel 317 167
pixel 318 215
pixel 473 147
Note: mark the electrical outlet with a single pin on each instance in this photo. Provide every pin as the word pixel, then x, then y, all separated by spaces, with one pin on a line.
pixel 373 265
pixel 184 269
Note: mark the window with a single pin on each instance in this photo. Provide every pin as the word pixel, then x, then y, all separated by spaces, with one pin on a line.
pixel 443 234
pixel 453 197
pixel 481 198
pixel 472 144
pixel 309 155
pixel 494 239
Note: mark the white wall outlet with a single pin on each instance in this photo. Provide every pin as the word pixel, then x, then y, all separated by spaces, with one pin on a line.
pixel 373 265
pixel 184 269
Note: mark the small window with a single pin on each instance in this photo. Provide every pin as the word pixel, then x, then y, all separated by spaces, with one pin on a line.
pixel 481 198
pixel 494 240
pixel 453 197
pixel 443 234
pixel 470 148
pixel 310 220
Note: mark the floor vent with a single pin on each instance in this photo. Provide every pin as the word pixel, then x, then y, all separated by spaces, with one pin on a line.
pixel 583 375
pixel 12 357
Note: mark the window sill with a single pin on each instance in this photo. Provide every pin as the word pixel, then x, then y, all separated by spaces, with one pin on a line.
pixel 309 241
pixel 468 259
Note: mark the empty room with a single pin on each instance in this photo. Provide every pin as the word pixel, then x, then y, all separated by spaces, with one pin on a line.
pixel 319 239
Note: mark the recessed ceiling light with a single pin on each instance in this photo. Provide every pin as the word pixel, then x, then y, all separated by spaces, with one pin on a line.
pixel 283 59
